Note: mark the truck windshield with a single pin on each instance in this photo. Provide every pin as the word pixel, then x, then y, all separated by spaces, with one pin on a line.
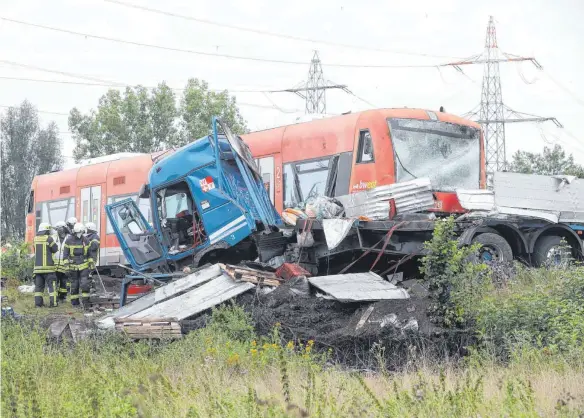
pixel 447 153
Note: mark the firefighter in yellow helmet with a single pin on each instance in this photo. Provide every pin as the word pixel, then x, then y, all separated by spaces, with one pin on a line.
pixel 44 265
pixel 75 255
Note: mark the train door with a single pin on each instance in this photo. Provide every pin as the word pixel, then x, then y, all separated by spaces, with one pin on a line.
pixel 266 166
pixel 364 174
pixel 91 206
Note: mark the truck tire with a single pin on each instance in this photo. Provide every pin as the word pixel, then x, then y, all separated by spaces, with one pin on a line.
pixel 548 251
pixel 493 248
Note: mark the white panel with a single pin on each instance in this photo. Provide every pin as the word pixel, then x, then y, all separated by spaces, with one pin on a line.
pixel 358 287
pixel 96 206
pixel 197 300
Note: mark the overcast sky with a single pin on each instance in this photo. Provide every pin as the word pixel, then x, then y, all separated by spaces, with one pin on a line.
pixel 429 31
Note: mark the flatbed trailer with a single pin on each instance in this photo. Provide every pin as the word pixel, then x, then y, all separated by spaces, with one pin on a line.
pixel 535 242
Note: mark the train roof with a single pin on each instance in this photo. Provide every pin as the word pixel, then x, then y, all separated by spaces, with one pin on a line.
pixel 63 184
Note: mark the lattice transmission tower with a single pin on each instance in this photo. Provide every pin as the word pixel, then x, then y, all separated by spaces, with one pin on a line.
pixel 492 113
pixel 313 90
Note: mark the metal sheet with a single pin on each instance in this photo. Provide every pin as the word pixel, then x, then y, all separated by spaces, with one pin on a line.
pixel 197 300
pixel 545 193
pixel 161 294
pixel 358 287
pixel 476 199
pixel 409 196
pixel 553 198
pixel 335 231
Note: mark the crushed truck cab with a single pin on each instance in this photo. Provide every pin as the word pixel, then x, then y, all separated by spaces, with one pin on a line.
pixel 206 197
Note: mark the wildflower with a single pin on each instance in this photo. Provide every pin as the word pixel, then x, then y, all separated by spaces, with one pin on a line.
pixel 254 352
pixel 233 359
pixel 277 325
pixel 308 347
pixel 290 345
pixel 266 346
pixel 254 343
pixel 275 346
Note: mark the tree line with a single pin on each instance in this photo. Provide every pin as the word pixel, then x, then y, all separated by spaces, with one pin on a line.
pixel 140 119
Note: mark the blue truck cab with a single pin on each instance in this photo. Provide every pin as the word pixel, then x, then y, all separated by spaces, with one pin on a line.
pixel 206 198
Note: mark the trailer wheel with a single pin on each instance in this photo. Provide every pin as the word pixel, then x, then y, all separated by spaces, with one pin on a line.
pixel 493 248
pixel 550 251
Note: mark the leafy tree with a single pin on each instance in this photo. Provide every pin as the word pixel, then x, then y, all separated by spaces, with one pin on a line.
pixel 198 105
pixel 27 150
pixel 551 162
pixel 136 121
pixel 142 120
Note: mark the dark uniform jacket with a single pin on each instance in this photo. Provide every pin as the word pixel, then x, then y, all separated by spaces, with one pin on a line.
pixel 93 243
pixel 75 252
pixel 44 247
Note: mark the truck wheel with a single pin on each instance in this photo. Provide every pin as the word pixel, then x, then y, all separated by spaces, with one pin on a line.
pixel 550 251
pixel 493 248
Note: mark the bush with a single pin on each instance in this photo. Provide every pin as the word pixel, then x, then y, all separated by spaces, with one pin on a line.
pixel 16 262
pixel 455 282
pixel 541 309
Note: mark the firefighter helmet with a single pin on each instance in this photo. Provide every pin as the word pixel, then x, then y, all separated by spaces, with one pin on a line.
pixel 90 226
pixel 60 224
pixel 44 226
pixel 78 229
pixel 71 221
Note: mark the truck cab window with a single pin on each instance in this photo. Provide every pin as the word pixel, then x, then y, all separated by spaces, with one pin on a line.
pixel 365 151
pixel 181 224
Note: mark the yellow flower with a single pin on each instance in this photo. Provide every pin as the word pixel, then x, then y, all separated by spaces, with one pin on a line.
pixel 233 359
pixel 254 343
pixel 275 346
pixel 254 352
pixel 290 345
pixel 277 325
pixel 266 346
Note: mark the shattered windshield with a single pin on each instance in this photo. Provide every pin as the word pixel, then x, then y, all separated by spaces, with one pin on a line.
pixel 447 153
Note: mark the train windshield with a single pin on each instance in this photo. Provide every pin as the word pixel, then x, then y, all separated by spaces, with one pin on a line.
pixel 447 153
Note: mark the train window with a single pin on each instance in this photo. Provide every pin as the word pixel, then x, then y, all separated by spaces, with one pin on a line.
pixel 31 202
pixel 365 151
pixel 304 180
pixel 58 211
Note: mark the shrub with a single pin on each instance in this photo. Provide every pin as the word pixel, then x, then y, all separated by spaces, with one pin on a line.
pixel 233 321
pixel 455 282
pixel 15 261
pixel 542 309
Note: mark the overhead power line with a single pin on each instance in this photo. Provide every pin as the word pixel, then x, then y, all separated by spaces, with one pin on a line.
pixel 114 84
pixel 209 54
pixel 273 34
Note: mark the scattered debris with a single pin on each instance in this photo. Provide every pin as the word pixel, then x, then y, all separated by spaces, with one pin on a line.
pixel 72 330
pixel 25 288
pixel 355 287
pixel 246 274
pixel 408 196
pixel 150 328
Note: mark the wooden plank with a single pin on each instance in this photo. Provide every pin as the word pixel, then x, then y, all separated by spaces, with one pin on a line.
pixel 145 320
pixel 196 300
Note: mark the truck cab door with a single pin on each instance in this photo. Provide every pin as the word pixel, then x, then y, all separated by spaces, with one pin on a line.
pixel 137 238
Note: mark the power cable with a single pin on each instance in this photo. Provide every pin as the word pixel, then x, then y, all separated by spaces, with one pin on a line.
pixel 209 54
pixel 116 84
pixel 566 90
pixel 274 34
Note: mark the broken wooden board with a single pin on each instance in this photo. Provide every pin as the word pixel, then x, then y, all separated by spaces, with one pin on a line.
pixel 156 328
pixel 196 300
pixel 161 294
pixel 358 287
pixel 246 274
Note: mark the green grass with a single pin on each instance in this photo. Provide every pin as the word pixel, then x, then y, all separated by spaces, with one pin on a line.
pixel 223 370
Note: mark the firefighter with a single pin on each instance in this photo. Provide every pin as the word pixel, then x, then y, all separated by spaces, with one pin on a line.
pixel 71 224
pixel 44 265
pixel 93 242
pixel 61 269
pixel 75 255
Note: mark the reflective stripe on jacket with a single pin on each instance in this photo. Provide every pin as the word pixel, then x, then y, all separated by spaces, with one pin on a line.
pixel 44 247
pixel 92 249
pixel 60 265
pixel 74 253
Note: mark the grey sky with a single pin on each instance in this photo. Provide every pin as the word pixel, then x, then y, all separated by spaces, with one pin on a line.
pixel 550 31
